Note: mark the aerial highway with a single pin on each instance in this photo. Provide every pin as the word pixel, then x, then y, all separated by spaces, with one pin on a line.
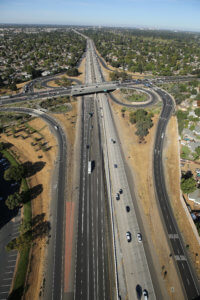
pixel 111 262
pixel 135 271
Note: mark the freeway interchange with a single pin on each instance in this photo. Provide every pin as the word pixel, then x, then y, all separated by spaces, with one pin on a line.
pixel 101 236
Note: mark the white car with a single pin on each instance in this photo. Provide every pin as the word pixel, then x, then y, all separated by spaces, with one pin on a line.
pixel 139 237
pixel 145 294
pixel 128 236
pixel 117 196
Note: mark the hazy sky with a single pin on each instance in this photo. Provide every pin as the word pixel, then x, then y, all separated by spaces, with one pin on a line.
pixel 169 14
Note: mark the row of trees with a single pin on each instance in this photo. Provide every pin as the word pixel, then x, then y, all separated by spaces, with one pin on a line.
pixel 119 76
pixel 149 51
pixel 34 53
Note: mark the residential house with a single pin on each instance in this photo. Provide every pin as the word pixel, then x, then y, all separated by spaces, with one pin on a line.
pixel 193 145
pixel 197 130
pixel 188 135
pixel 195 196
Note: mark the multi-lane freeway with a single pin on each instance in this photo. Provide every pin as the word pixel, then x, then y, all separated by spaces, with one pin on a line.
pixel 93 278
pixel 107 264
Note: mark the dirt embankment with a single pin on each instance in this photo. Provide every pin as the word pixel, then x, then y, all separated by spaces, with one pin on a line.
pixel 139 158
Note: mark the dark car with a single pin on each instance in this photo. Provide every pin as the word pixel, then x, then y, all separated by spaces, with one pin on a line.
pixel 117 196
pixel 127 208
pixel 128 236
pixel 120 191
pixel 115 165
pixel 138 291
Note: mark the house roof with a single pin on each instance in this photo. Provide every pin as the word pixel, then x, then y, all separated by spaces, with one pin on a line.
pixel 197 129
pixel 189 133
pixel 193 145
pixel 195 196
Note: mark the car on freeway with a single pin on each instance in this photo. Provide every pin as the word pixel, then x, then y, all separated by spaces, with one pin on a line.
pixel 88 146
pixel 127 208
pixel 138 291
pixel 145 294
pixel 139 237
pixel 128 236
pixel 117 196
pixel 115 165
pixel 120 191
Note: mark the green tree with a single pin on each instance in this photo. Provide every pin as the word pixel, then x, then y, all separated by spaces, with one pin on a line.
pixel 21 242
pixel 13 200
pixel 197 111
pixel 197 149
pixel 14 173
pixel 25 226
pixel 188 185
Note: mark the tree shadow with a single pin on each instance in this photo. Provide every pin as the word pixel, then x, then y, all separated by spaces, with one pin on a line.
pixel 41 230
pixel 7 145
pixel 187 175
pixel 16 294
pixel 37 219
pixel 32 193
pixel 31 169
pixel 49 148
pixel 40 227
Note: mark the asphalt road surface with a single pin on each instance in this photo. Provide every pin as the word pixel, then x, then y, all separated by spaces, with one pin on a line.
pixel 92 274
pixel 187 274
pixel 93 278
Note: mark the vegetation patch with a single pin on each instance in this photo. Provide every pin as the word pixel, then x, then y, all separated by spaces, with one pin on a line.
pixel 143 122
pixel 53 102
pixel 188 183
pixel 185 152
pixel 134 96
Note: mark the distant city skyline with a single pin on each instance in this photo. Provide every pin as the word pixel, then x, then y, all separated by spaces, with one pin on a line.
pixel 155 14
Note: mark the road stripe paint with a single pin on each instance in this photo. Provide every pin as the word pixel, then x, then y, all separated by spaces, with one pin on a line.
pixel 68 242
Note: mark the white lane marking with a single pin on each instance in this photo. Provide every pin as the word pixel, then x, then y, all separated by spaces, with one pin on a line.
pixel 188 281
pixel 5 285
pixel 10 278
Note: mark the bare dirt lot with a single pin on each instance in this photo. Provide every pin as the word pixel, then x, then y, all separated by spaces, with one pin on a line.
pixel 139 158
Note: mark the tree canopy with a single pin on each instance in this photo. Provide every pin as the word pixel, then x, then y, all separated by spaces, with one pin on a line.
pixel 13 201
pixel 143 122
pixel 14 173
pixel 188 185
